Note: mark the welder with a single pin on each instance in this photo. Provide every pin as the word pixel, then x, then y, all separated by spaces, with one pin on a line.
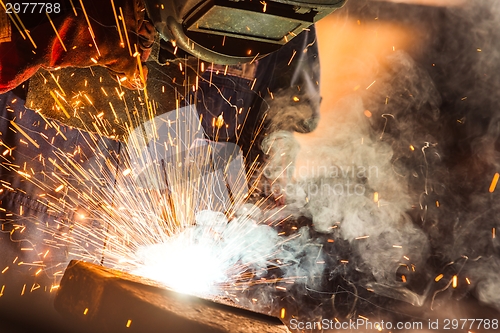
pixel 264 75
pixel 235 33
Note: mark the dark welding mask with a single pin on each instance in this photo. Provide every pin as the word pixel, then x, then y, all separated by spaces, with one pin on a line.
pixel 234 31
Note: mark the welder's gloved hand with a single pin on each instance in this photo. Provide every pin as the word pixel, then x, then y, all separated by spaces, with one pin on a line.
pixel 86 36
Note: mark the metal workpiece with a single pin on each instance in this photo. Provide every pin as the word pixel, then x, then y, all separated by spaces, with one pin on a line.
pixel 97 299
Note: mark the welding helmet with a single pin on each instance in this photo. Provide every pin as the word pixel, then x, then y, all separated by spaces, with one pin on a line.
pixel 234 31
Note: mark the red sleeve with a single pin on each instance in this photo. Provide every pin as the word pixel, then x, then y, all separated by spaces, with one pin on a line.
pixel 98 43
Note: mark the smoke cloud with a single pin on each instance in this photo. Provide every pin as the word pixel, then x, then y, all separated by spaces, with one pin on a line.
pixel 398 175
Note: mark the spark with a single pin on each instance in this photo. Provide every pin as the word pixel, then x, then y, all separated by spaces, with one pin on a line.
pixel 371 84
pixel 90 27
pixel 26 31
pixel 264 4
pixel 24 134
pixel 253 83
pixel 254 58
pixel 57 33
pixel 73 6
pixel 494 182
pixel 361 237
pixel 219 122
pixel 293 55
pixel 122 44
pixel 60 104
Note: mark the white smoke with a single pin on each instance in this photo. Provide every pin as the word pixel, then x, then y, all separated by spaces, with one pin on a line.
pixel 345 182
pixel 207 258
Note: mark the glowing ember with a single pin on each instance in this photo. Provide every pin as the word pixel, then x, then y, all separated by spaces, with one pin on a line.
pixel 494 182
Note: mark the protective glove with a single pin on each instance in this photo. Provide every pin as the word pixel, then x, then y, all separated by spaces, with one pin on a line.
pixel 88 34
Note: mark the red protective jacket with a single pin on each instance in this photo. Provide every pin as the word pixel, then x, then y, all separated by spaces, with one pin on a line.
pixel 88 36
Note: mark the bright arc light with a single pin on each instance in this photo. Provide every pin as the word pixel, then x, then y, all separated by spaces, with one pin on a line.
pixel 183 266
